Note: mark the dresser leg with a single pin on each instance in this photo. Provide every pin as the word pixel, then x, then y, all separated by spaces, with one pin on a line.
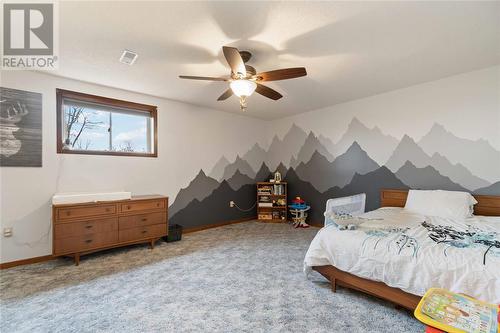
pixel 152 244
pixel 77 259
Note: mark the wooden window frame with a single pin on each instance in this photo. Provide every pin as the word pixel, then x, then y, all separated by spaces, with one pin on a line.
pixel 61 94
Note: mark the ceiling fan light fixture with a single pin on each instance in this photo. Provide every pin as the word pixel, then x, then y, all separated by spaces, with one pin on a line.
pixel 243 87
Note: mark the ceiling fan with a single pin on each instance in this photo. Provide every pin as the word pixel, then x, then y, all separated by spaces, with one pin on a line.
pixel 244 79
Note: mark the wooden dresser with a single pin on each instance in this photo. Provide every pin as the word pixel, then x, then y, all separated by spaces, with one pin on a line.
pixel 89 227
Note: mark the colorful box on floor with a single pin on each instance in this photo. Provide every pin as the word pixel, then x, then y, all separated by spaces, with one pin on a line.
pixel 455 313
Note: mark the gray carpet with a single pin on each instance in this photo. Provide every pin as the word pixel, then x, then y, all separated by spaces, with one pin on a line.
pixel 240 278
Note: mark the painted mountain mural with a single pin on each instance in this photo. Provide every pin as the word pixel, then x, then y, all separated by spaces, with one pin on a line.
pixel 238 180
pixel 426 178
pixel 493 189
pixel 219 167
pixel 469 153
pixel 364 160
pixel 310 146
pixel 215 209
pixel 372 140
pixel 255 157
pixel 238 165
pixel 409 150
pixel 323 174
pixel 369 183
pixel 199 188
pixel 281 151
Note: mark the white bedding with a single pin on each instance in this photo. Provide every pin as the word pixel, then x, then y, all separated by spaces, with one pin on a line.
pixel 414 252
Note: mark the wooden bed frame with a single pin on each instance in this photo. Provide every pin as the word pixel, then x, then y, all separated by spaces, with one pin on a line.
pixel 487 205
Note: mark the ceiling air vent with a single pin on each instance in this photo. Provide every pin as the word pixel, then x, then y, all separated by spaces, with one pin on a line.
pixel 128 57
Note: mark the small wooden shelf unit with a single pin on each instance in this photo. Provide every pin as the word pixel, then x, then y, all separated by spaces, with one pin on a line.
pixel 275 194
pixel 88 227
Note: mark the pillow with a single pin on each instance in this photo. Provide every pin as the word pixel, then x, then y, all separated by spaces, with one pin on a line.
pixel 446 204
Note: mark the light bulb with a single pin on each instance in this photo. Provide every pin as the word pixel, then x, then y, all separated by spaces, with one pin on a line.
pixel 243 87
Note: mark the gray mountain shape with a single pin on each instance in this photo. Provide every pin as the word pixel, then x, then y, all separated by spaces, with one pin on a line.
pixel 323 174
pixel 426 178
pixel 409 150
pixel 493 189
pixel 370 183
pixel 457 172
pixel 326 142
pixel 238 164
pixel 305 153
pixel 215 207
pixel 378 145
pixel 255 156
pixel 238 180
pixel 199 188
pixel 283 150
pixel 282 170
pixel 470 153
pixel 218 169
pixel 263 174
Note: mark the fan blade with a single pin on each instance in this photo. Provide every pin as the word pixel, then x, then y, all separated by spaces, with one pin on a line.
pixel 282 74
pixel 234 60
pixel 206 78
pixel 268 92
pixel 228 93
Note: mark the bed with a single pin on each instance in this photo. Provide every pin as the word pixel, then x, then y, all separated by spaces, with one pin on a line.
pixel 397 255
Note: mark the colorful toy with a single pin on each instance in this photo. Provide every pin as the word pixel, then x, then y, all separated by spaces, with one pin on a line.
pixel 299 209
pixel 298 203
pixel 443 310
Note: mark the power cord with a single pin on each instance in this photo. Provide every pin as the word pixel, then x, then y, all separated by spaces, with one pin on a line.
pixel 245 210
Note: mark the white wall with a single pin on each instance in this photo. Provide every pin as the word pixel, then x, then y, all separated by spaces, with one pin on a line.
pixel 189 138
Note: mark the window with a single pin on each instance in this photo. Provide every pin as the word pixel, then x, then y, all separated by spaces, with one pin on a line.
pixel 88 124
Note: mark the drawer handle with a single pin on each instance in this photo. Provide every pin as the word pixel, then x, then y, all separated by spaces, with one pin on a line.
pixel 88 241
pixel 157 204
pixel 144 219
pixel 88 226
pixel 128 207
pixel 108 209
pixel 144 231
pixel 68 213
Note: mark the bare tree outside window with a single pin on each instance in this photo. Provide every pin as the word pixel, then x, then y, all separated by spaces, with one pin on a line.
pixel 79 120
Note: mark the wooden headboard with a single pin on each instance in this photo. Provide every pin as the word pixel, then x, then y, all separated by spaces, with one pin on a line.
pixel 488 205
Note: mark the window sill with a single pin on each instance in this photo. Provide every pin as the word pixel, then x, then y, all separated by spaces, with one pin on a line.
pixel 109 153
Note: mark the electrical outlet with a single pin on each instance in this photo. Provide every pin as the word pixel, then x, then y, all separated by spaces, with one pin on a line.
pixel 231 203
pixel 7 232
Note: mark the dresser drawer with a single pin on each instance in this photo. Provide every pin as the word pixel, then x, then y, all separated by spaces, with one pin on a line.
pixel 84 211
pixel 150 231
pixel 142 205
pixel 83 243
pixel 63 230
pixel 134 221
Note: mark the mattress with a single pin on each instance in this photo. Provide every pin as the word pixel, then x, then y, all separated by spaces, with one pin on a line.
pixel 72 198
pixel 414 252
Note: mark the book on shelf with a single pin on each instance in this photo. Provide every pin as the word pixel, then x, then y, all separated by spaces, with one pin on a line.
pixel 265 204
pixel 265 199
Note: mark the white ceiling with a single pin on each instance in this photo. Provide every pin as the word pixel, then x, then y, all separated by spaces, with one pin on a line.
pixel 350 49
